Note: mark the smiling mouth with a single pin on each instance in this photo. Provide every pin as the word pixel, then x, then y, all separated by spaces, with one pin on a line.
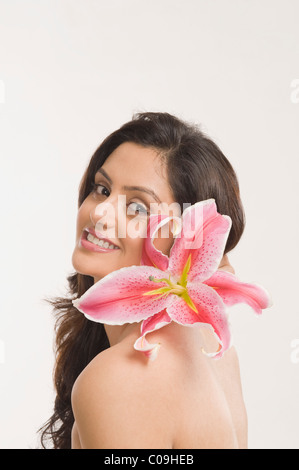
pixel 99 241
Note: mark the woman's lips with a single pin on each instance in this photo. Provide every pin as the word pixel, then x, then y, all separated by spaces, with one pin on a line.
pixel 90 245
pixel 98 234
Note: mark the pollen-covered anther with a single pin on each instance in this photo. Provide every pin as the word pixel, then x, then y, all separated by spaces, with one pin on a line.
pixel 173 288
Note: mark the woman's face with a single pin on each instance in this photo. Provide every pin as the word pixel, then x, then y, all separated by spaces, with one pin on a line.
pixel 118 209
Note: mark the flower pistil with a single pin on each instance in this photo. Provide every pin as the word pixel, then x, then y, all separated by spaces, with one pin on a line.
pixel 176 288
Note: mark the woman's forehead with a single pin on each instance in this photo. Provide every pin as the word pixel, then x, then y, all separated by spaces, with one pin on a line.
pixel 131 164
pixel 135 157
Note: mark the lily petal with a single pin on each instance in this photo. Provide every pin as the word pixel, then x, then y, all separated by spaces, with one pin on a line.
pixel 149 325
pixel 149 350
pixel 118 297
pixel 151 256
pixel 204 235
pixel 210 311
pixel 232 291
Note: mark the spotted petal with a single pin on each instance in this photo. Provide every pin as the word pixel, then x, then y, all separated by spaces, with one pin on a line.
pixel 210 311
pixel 118 297
pixel 232 291
pixel 204 235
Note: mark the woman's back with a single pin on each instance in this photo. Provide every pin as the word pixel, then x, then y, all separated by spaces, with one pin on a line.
pixel 214 413
pixel 183 399
pixel 151 166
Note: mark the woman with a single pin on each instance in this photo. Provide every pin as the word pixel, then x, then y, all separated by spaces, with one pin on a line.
pixel 108 395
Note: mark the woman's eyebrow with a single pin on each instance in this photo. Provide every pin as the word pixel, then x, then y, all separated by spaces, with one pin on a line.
pixel 131 188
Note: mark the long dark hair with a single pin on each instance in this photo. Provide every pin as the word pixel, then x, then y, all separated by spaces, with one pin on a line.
pixel 197 170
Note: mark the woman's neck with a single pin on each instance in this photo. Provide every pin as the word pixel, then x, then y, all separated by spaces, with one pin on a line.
pixel 116 333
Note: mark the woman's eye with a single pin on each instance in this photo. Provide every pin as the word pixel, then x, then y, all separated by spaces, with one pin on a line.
pixel 135 207
pixel 100 189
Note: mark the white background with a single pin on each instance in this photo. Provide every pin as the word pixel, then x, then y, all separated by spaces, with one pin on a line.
pixel 71 72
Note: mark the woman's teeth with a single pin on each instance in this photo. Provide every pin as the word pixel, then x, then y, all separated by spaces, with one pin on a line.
pixel 99 242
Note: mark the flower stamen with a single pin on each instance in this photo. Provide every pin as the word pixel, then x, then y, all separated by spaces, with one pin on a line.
pixel 179 288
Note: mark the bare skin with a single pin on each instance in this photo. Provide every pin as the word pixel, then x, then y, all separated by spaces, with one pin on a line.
pixel 183 399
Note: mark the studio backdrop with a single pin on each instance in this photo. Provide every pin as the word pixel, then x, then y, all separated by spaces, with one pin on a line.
pixel 71 72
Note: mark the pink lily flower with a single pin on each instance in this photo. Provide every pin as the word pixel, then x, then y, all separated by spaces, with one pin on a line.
pixel 185 287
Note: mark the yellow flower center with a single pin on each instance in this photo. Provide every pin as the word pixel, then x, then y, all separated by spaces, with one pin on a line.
pixel 179 288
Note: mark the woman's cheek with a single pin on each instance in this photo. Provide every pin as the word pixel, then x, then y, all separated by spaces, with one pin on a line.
pixel 137 228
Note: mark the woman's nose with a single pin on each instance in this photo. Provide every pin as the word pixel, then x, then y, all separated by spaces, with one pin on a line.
pixel 107 216
pixel 103 218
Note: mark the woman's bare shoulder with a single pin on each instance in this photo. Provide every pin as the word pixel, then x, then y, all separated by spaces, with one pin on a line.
pixel 121 400
pixel 121 370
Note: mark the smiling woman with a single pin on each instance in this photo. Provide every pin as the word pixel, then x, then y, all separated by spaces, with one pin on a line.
pixel 108 396
pixel 102 215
